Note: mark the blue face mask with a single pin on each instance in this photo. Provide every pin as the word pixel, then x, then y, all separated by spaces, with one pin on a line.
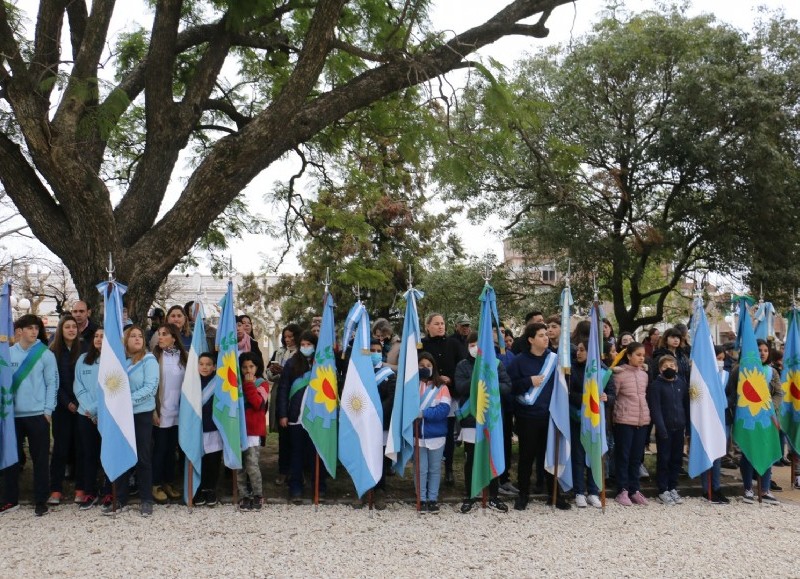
pixel 307 351
pixel 377 358
pixel 424 373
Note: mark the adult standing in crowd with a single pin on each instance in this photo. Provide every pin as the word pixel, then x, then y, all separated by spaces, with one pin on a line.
pixel 448 352
pixel 83 317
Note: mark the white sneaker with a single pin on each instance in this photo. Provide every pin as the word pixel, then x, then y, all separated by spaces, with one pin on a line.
pixel 580 501
pixel 749 497
pixel 594 501
pixel 768 499
pixel 676 498
pixel 643 472
pixel 666 498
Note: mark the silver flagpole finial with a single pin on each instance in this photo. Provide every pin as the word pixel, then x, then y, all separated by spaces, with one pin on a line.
pixel 110 269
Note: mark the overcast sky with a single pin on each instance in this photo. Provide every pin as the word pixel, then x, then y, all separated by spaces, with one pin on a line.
pixel 568 21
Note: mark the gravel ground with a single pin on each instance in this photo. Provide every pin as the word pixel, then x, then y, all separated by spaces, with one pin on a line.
pixel 693 539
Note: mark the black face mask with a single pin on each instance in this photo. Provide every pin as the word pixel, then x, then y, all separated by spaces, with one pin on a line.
pixel 424 373
pixel 669 373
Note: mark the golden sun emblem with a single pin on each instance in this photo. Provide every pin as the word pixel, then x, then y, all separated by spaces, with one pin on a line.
pixel 113 383
pixel 482 403
pixel 695 393
pixel 355 404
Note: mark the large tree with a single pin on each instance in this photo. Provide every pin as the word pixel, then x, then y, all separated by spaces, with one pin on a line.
pixel 235 83
pixel 656 147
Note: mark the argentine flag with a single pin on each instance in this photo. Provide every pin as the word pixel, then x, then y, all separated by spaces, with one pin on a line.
pixel 400 444
pixel 8 431
pixel 360 418
pixel 190 415
pixel 114 405
pixel 706 399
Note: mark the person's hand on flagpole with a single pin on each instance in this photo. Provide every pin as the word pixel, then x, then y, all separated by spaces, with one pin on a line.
pixel 72 407
pixel 537 381
pixel 603 397
pixel 283 422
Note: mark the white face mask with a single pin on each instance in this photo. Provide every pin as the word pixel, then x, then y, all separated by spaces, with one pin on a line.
pixel 473 351
pixel 720 364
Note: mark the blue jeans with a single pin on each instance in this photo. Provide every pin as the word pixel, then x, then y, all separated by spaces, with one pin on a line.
pixel 628 448
pixel 430 473
pixel 715 477
pixel 747 476
pixel 580 472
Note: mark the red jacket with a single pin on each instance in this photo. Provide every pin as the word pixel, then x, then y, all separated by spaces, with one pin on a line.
pixel 254 415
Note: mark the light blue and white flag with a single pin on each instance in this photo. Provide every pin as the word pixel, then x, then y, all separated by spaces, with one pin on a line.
pixel 560 464
pixel 400 444
pixel 114 404
pixel 360 415
pixel 765 321
pixel 8 431
pixel 706 399
pixel 190 415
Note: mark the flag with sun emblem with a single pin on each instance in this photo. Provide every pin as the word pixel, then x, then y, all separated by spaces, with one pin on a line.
pixel 320 406
pixel 593 412
pixel 8 432
pixel 190 416
pixel 361 417
pixel 755 425
pixel 708 441
pixel 557 458
pixel 114 405
pixel 484 397
pixel 400 443
pixel 790 407
pixel 228 405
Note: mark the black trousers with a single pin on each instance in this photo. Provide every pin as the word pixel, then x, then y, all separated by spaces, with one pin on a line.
pixel 65 449
pixel 143 429
pixel 37 430
pixel 469 460
pixel 532 434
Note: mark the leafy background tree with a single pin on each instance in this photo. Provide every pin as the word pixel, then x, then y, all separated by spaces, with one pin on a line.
pixel 656 147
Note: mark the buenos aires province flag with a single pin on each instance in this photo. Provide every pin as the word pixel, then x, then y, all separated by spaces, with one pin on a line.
pixel 360 418
pixel 790 380
pixel 706 399
pixel 114 405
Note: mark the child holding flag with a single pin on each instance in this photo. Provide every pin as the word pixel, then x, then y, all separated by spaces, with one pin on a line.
pixel 251 365
pixel 463 383
pixel 212 440
pixel 433 410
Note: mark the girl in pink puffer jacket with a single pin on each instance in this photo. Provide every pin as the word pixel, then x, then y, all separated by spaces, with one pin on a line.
pixel 631 421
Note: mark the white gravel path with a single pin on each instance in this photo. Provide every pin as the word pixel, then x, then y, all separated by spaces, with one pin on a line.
pixel 694 539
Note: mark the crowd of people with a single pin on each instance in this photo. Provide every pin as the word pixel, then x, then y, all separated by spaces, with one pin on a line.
pixel 55 389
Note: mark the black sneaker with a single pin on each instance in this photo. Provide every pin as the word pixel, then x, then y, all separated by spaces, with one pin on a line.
pixel 783 461
pixel 40 509
pixel 717 498
pixel 520 503
pixel 200 498
pixel 433 508
pixel 773 486
pixel 245 504
pixel 466 505
pixel 423 508
pixel 561 504
pixel 257 502
pixel 211 499
pixel 498 505
pixel 89 501
pixel 108 510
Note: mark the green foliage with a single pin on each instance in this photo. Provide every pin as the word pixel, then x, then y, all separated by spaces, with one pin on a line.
pixel 655 147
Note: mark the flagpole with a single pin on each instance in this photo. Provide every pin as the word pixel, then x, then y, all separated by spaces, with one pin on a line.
pixel 190 487
pixel 416 462
pixel 316 481
pixel 709 482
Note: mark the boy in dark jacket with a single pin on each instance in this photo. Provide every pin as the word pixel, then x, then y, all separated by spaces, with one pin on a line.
pixel 668 399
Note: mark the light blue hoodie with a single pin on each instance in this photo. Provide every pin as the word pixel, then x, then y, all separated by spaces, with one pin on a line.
pixel 143 378
pixel 36 395
pixel 86 386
